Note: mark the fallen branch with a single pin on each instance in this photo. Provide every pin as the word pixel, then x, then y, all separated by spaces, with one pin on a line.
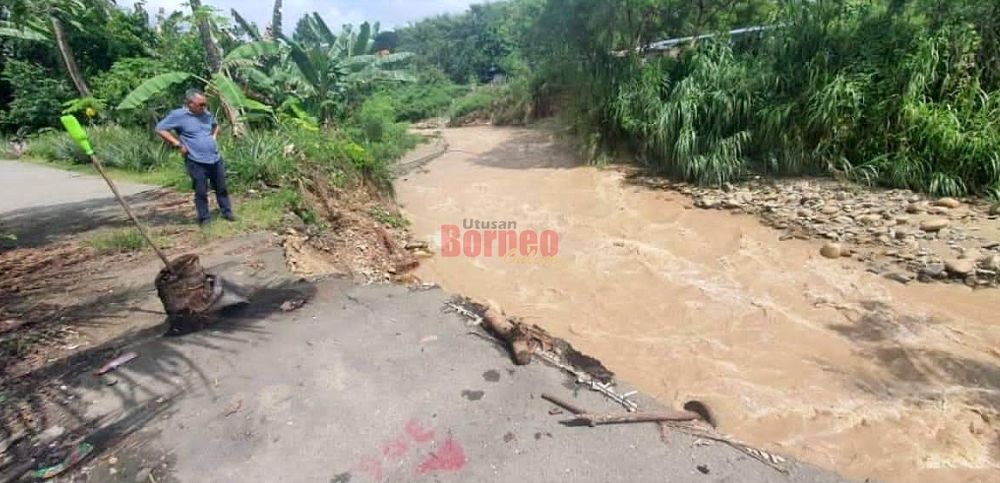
pixel 599 419
pixel 563 404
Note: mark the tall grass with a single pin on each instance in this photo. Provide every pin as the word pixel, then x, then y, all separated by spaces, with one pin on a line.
pixel 900 97
pixel 116 146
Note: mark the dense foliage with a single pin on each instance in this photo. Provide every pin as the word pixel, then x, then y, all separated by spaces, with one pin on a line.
pixel 891 92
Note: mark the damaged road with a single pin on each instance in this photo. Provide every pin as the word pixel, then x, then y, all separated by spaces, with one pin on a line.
pixel 370 384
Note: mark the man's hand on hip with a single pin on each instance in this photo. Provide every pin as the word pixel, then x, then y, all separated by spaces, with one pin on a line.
pixel 183 149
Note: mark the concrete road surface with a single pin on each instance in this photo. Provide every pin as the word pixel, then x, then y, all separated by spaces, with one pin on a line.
pixel 25 185
pixel 370 384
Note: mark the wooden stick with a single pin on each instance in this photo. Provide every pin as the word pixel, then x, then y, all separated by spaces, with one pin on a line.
pixel 598 419
pixel 128 211
pixel 565 405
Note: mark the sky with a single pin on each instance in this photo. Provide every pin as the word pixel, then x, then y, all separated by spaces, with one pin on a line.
pixel 391 13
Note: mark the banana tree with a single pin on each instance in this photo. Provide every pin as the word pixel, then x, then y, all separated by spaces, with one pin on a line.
pixel 328 66
pixel 222 84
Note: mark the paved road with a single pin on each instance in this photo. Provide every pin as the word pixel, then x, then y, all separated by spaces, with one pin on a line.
pixel 40 204
pixel 26 185
pixel 369 384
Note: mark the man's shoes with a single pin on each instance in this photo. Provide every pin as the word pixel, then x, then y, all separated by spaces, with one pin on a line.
pixel 204 223
pixel 229 217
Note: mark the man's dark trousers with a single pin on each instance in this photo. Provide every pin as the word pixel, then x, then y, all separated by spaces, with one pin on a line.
pixel 201 175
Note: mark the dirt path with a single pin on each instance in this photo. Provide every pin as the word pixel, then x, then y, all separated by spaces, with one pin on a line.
pixel 803 355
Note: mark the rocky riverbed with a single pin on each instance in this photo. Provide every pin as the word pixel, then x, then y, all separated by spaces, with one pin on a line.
pixel 899 234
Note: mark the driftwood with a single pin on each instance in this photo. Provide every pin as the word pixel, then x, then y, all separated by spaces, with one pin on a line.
pixel 518 337
pixel 651 417
pixel 584 417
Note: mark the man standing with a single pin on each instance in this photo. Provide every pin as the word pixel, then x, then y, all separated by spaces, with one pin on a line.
pixel 197 130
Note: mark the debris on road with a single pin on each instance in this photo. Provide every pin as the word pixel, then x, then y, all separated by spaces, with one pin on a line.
pixel 565 405
pixel 72 459
pixel 234 407
pixel 116 362
pixel 290 305
pixel 651 417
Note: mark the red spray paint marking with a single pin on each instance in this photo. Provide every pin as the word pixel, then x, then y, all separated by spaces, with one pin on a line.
pixel 396 448
pixel 418 433
pixel 449 457
pixel 372 466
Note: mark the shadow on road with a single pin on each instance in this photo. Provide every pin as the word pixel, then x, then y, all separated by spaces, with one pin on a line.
pixel 62 393
pixel 38 226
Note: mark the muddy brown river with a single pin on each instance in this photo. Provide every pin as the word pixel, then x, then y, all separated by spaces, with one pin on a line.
pixel 795 353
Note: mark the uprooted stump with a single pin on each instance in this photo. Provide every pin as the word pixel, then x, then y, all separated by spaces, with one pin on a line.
pixel 185 289
pixel 519 339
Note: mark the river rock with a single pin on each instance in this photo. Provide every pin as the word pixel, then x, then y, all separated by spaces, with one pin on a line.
pixel 950 203
pixel 936 224
pixel 831 250
pixel 971 254
pixel 933 269
pixel 899 277
pixel 960 267
pixel 991 262
pixel 829 210
pixel 707 203
pixel 995 209
pixel 869 219
pixel 914 208
pixel 902 220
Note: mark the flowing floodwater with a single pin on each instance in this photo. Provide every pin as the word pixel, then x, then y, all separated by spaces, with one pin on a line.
pixel 795 353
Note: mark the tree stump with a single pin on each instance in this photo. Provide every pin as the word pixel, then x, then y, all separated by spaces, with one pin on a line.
pixel 185 289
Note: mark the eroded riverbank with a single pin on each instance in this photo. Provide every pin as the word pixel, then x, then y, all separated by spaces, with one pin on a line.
pixel 803 355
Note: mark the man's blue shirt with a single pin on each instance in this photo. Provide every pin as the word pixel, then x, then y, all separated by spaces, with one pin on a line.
pixel 194 132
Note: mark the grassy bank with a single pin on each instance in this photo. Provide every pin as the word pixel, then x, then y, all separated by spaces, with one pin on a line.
pixel 266 169
pixel 885 93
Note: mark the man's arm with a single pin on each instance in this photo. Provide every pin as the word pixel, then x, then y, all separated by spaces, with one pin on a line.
pixel 215 131
pixel 163 129
pixel 172 140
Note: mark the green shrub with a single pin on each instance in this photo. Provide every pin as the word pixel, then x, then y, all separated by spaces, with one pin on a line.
pixel 507 103
pixel 257 159
pixel 383 140
pixel 38 96
pixel 476 104
pixel 416 102
pixel 115 146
